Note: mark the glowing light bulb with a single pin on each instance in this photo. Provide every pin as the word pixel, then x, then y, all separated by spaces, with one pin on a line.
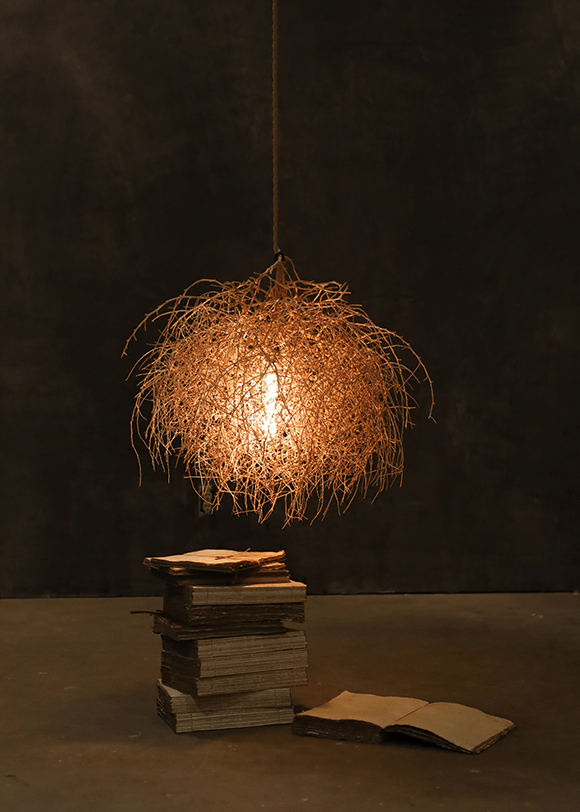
pixel 269 421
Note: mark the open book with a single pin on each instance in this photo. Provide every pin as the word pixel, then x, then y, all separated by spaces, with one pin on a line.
pixel 219 566
pixel 370 718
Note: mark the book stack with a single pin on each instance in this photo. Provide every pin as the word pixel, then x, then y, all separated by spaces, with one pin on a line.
pixel 228 657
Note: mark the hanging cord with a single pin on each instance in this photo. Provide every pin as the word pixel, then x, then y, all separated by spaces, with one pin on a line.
pixel 280 283
pixel 279 258
pixel 275 128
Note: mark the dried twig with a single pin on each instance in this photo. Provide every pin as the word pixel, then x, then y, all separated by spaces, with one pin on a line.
pixel 275 388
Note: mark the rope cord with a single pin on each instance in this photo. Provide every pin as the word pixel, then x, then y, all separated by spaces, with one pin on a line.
pixel 275 126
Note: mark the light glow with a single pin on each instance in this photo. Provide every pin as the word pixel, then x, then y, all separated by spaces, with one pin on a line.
pixel 276 389
pixel 270 406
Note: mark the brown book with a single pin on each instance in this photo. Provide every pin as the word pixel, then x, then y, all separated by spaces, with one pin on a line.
pixel 216 560
pixel 259 593
pixel 175 676
pixel 180 703
pixel 370 718
pixel 238 655
pixel 221 616
pixel 230 627
pixel 185 714
pixel 271 573
pixel 236 647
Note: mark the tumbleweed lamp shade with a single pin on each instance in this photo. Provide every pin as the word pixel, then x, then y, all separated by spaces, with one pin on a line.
pixel 275 389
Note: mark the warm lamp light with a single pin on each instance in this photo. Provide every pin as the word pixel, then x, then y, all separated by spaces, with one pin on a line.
pixel 275 389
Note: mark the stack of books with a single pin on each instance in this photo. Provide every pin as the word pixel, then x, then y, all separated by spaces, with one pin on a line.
pixel 228 658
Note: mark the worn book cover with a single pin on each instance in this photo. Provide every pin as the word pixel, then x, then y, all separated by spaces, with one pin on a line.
pixel 271 573
pixel 258 593
pixel 216 560
pixel 252 645
pixel 230 626
pixel 180 703
pixel 224 616
pixel 225 716
pixel 175 676
pixel 258 653
pixel 370 718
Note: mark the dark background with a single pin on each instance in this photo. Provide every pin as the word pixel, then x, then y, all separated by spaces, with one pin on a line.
pixel 430 157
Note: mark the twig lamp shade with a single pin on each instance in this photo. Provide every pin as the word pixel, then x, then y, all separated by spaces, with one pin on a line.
pixel 275 389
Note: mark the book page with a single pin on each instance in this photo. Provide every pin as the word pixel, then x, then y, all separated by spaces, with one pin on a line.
pixel 216 559
pixel 377 710
pixel 467 728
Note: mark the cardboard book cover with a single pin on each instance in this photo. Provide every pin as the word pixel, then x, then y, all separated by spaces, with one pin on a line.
pixel 224 561
pixel 176 677
pixel 228 627
pixel 247 593
pixel 221 616
pixel 215 650
pixel 185 713
pixel 370 718
pixel 179 702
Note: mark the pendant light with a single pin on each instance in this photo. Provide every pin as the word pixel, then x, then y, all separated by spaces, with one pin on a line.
pixel 274 388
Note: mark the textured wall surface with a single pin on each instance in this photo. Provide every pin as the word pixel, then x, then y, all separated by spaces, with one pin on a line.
pixel 430 158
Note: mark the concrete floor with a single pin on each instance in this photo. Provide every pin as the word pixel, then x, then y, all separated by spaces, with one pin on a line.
pixel 80 731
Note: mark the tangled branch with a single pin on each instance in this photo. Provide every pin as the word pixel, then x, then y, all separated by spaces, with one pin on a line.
pixel 275 389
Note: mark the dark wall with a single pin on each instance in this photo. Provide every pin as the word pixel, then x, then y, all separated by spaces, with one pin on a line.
pixel 430 157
